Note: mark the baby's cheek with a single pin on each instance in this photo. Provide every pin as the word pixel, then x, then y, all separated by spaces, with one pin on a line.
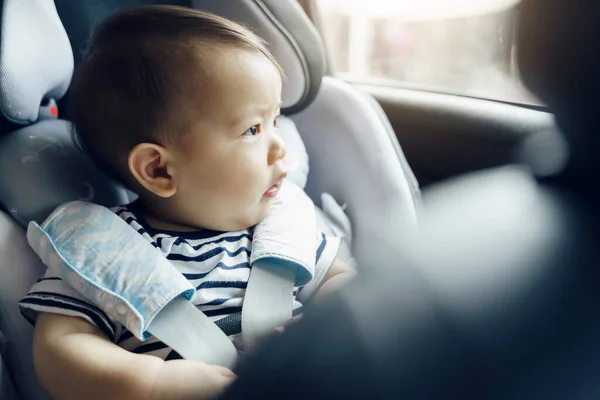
pixel 238 198
pixel 237 190
pixel 245 184
pixel 241 191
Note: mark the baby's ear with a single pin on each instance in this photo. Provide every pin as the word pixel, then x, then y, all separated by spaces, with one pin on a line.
pixel 149 165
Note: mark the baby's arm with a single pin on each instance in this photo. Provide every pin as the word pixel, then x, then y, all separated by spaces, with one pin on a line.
pixel 74 360
pixel 338 274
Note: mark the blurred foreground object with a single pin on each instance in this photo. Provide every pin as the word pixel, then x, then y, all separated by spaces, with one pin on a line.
pixel 498 297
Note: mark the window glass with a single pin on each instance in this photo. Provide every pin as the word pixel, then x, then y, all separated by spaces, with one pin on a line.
pixel 457 46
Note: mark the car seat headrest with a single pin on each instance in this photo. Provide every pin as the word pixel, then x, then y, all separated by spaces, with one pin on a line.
pixel 40 166
pixel 36 61
pixel 292 38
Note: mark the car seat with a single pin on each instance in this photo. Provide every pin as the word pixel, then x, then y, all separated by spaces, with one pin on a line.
pixel 352 151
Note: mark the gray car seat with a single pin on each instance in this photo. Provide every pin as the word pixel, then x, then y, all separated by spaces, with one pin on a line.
pixel 354 154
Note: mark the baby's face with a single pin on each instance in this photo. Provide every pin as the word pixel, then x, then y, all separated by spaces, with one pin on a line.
pixel 231 162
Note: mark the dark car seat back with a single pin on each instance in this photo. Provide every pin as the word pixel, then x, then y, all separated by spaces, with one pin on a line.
pixel 499 296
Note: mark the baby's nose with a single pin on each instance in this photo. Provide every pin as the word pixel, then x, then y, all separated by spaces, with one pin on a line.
pixel 277 151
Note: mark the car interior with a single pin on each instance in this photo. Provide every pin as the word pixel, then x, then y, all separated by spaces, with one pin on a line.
pixel 375 158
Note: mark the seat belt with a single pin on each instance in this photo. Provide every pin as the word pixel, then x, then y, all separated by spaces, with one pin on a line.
pixel 104 259
pixel 187 330
pixel 270 287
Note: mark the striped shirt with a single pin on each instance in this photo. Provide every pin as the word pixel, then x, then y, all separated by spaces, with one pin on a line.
pixel 216 263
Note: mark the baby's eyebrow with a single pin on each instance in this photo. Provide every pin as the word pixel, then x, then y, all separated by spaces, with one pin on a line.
pixel 267 111
pixel 239 119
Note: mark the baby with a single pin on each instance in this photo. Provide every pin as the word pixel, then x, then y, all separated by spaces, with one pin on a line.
pixel 181 106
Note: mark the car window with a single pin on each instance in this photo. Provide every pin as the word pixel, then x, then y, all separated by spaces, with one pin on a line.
pixel 457 46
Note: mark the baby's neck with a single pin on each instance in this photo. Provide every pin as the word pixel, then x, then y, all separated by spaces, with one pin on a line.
pixel 165 225
pixel 162 221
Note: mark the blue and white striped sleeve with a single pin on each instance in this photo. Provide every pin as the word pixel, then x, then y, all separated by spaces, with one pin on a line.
pixel 50 294
pixel 327 251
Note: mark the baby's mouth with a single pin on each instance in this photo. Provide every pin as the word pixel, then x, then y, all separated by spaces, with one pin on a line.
pixel 274 189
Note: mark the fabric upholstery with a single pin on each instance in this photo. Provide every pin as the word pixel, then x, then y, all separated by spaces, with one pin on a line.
pixel 357 159
pixel 41 168
pixel 36 61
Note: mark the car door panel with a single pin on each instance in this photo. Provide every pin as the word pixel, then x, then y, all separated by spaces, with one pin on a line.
pixel 444 135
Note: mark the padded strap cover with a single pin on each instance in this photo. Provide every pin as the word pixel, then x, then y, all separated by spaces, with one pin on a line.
pixel 288 235
pixel 105 260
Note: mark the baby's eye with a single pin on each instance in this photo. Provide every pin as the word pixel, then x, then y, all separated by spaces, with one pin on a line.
pixel 253 131
pixel 276 121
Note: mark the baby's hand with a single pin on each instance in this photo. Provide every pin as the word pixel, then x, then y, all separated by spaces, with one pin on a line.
pixel 290 322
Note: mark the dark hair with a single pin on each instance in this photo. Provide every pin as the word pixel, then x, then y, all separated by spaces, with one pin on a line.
pixel 134 78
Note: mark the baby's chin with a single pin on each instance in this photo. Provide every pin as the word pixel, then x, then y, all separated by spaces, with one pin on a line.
pixel 248 220
pixel 257 219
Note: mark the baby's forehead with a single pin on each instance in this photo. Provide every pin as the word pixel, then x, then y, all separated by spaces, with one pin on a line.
pixel 234 83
